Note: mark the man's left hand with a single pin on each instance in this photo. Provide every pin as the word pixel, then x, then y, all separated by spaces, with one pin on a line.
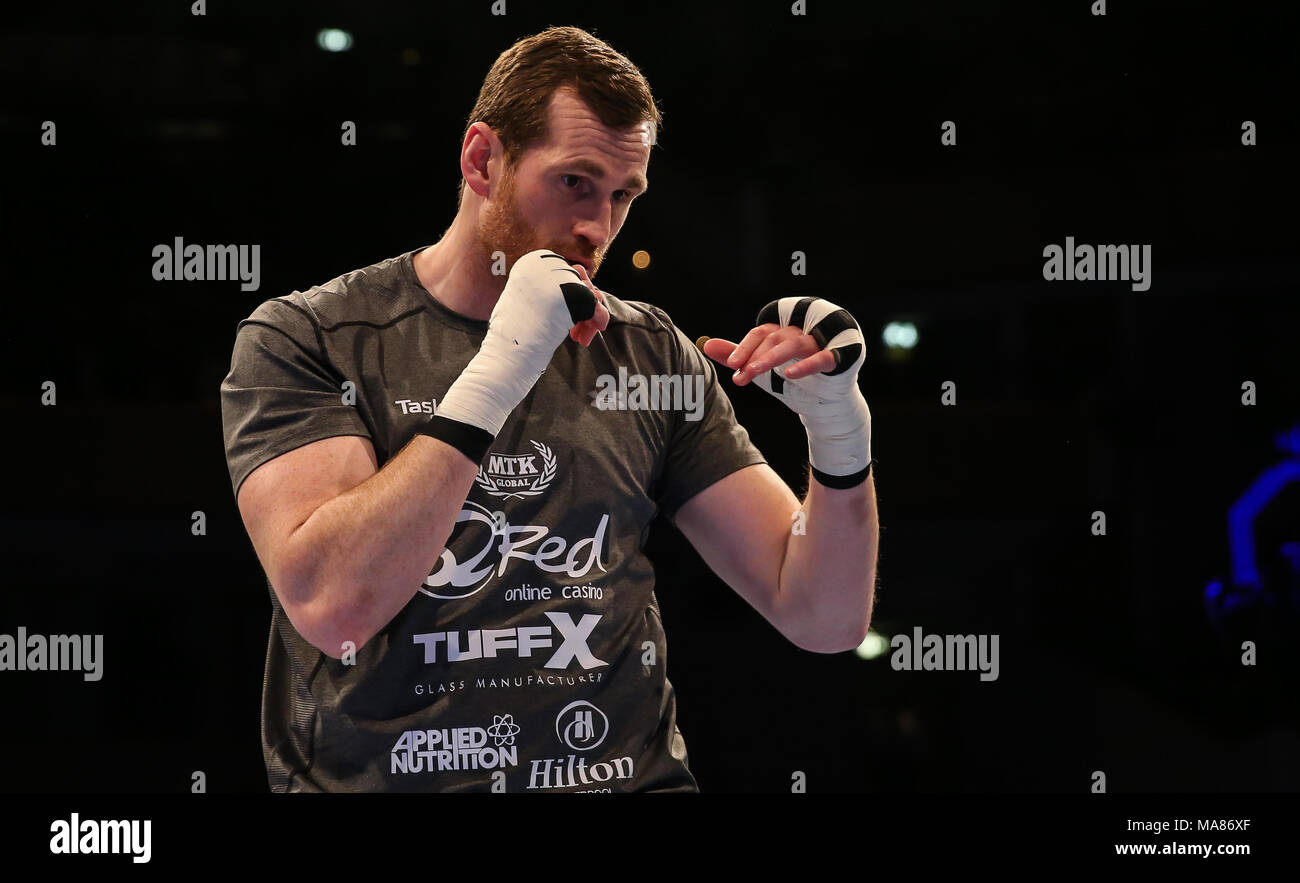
pixel 807 352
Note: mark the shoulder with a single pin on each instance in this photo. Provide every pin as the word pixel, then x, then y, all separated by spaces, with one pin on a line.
pixel 640 319
pixel 646 333
pixel 375 296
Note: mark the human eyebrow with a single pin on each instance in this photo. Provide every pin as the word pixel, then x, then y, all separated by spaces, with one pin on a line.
pixel 635 182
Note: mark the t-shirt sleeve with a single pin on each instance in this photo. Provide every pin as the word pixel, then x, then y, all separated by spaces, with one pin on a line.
pixel 700 452
pixel 282 392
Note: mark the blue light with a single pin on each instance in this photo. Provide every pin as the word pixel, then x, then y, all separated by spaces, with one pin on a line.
pixel 1242 515
pixel 1246 586
pixel 1288 440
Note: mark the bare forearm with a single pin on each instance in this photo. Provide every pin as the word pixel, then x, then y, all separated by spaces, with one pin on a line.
pixel 827 582
pixel 367 551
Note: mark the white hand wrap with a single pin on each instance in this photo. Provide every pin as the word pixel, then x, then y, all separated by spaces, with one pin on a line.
pixel 543 298
pixel 829 404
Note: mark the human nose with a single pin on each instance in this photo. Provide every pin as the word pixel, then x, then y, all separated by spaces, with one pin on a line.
pixel 595 228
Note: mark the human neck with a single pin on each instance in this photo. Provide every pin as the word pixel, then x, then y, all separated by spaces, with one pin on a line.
pixel 456 273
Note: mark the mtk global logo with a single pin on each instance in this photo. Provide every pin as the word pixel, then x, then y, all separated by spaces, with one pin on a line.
pixel 515 476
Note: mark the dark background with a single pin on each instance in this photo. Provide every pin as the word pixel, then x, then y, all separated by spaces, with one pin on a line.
pixel 780 133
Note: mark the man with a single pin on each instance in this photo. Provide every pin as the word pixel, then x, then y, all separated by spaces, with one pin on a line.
pixel 450 501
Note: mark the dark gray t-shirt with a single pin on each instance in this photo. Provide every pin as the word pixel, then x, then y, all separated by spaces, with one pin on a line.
pixel 533 656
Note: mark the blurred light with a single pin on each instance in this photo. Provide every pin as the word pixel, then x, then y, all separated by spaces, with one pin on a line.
pixel 902 335
pixel 641 259
pixel 873 645
pixel 410 57
pixel 334 40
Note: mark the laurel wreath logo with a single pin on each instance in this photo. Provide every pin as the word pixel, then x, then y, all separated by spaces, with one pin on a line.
pixel 539 484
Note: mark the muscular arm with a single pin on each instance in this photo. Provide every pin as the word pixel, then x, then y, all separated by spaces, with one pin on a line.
pixel 817 588
pixel 346 546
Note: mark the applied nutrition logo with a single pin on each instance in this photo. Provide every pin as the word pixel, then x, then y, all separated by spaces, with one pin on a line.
pixel 457 748
pixel 510 476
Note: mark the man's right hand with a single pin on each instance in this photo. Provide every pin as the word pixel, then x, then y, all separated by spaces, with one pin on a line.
pixel 544 299
pixel 584 332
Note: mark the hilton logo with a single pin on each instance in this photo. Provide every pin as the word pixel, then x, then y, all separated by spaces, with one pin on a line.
pixel 581 725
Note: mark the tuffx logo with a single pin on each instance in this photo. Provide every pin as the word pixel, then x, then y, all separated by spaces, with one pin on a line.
pixel 523 640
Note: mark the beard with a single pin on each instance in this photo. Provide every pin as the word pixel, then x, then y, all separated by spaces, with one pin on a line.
pixel 502 227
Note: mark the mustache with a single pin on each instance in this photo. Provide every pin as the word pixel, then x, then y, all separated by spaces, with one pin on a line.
pixel 575 252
